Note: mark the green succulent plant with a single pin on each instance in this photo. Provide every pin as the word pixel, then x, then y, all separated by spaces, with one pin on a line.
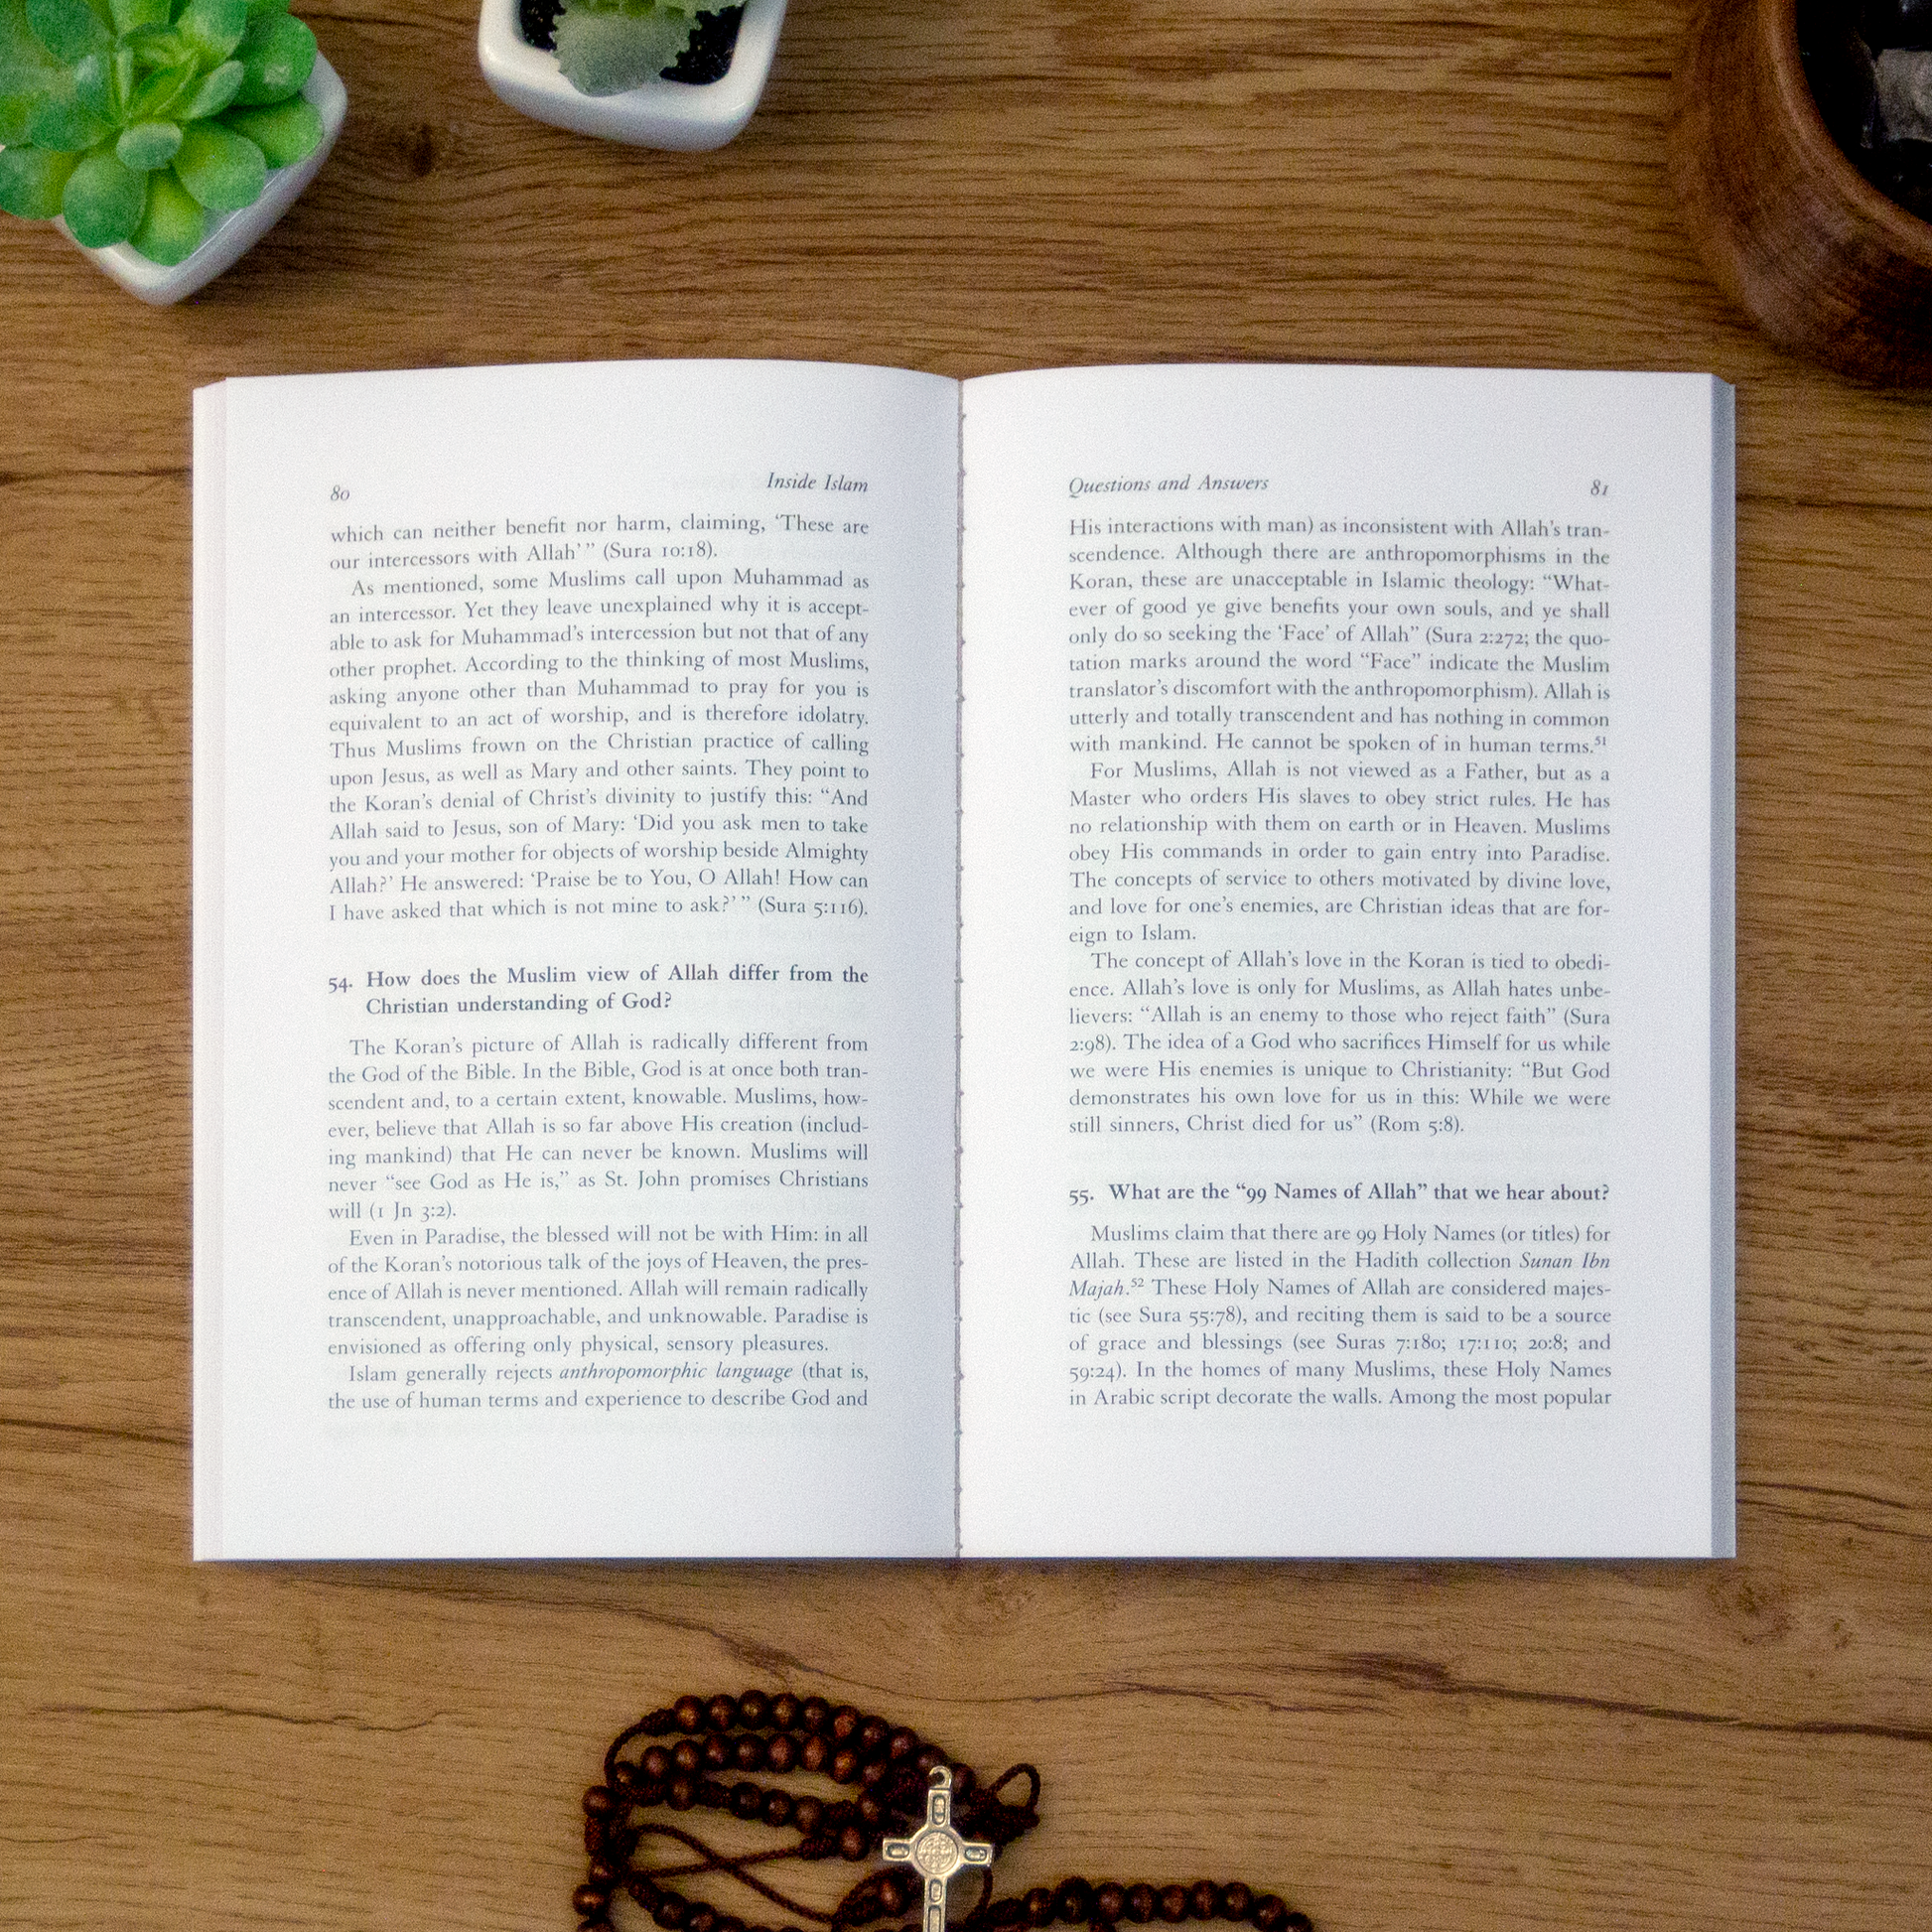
pixel 609 47
pixel 138 120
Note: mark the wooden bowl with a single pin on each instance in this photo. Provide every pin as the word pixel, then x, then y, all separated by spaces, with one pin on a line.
pixel 1822 261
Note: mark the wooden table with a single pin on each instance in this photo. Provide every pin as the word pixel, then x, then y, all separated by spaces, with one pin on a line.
pixel 1743 1744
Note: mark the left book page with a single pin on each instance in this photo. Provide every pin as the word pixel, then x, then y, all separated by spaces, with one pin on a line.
pixel 574 962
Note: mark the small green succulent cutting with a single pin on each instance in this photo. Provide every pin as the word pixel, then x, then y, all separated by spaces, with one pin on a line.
pixel 609 47
pixel 138 120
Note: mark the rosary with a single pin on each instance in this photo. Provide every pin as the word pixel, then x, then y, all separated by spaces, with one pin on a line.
pixel 927 1816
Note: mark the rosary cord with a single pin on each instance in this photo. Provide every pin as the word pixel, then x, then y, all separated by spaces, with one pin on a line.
pixel 890 1766
pixel 713 1860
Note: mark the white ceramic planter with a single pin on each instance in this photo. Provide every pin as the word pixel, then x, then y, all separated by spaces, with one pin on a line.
pixel 232 235
pixel 659 115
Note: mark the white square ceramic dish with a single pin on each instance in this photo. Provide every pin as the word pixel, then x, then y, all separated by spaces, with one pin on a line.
pixel 232 234
pixel 660 114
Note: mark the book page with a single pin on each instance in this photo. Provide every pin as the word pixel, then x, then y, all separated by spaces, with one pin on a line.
pixel 1345 1146
pixel 575 962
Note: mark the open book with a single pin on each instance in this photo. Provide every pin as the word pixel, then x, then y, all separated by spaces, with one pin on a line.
pixel 797 960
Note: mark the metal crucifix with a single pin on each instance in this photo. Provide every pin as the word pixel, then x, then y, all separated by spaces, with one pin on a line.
pixel 936 1851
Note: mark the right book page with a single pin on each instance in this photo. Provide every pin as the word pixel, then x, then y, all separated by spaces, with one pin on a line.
pixel 1347 850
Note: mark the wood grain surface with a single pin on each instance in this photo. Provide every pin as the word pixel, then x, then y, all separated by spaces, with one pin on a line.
pixel 1441 1746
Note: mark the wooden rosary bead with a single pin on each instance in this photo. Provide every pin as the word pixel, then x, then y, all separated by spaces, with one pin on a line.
pixel 928 1760
pixel 784 1709
pixel 587 1901
pixel 749 1753
pixel 781 1753
pixel 752 1709
pixel 1203 1897
pixel 1142 1904
pixel 814 1713
pixel 681 1793
pixel 805 1813
pixel 720 1711
pixel 892 1895
pixel 1174 1903
pixel 875 1734
pixel 745 1801
pixel 600 1801
pixel 717 1753
pixel 873 1772
pixel 657 1763
pixel 777 1808
pixel 689 1713
pixel 813 1753
pixel 700 1918
pixel 1109 1902
pixel 1236 1901
pixel 687 1756
pixel 1039 1906
pixel 845 1767
pixel 1270 1913
pixel 670 1913
pixel 1075 1900
pixel 901 1745
pixel 845 1721
pixel 853 1844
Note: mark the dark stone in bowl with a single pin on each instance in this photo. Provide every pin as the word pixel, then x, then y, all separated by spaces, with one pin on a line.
pixel 1838 65
pixel 1897 23
pixel 1903 170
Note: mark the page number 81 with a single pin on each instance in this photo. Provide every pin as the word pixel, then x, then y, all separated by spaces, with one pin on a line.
pixel 1598 488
